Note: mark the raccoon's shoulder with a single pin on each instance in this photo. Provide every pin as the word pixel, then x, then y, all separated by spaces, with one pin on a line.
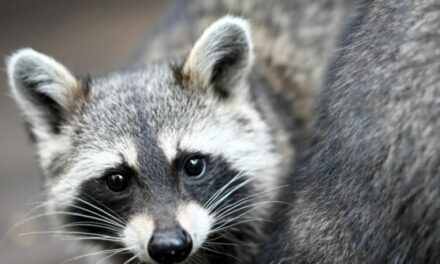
pixel 367 191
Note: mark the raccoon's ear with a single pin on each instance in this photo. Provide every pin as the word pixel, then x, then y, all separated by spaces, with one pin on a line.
pixel 44 89
pixel 222 57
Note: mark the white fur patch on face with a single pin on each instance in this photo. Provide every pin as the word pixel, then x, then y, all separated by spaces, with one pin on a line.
pixel 196 221
pixel 248 152
pixel 50 148
pixel 167 141
pixel 89 164
pixel 128 150
pixel 137 234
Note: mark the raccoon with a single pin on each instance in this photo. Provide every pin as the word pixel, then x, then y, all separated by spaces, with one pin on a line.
pixel 173 161
pixel 368 190
pixel 181 156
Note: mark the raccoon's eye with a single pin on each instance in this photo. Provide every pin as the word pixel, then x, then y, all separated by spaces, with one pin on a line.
pixel 195 166
pixel 117 182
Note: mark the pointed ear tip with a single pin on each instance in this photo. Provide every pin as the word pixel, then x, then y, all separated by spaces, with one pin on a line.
pixel 236 21
pixel 240 21
pixel 22 53
pixel 27 63
pixel 19 55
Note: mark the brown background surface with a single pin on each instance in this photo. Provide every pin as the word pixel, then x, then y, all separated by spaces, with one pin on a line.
pixel 87 36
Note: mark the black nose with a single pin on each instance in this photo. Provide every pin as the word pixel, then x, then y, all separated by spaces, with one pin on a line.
pixel 170 247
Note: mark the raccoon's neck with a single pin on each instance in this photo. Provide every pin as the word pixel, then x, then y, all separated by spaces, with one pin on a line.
pixel 276 110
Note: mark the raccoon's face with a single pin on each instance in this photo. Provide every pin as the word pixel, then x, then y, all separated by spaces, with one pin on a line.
pixel 156 162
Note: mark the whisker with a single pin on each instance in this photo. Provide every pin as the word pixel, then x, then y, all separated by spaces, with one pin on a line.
pixel 106 207
pixel 225 224
pixel 221 243
pixel 94 254
pixel 117 219
pixel 197 258
pixel 63 232
pixel 224 227
pixel 219 191
pixel 248 198
pixel 107 220
pixel 113 254
pixel 114 214
pixel 221 253
pixel 28 216
pixel 100 220
pixel 44 215
pixel 90 238
pixel 130 260
pixel 22 221
pixel 103 217
pixel 253 206
pixel 90 224
pixel 229 193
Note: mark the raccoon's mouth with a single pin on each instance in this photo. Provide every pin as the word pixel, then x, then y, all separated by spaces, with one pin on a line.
pixel 133 259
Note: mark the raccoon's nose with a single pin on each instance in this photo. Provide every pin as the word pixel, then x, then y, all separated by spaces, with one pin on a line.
pixel 170 247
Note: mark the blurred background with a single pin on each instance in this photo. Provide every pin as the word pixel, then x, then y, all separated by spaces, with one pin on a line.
pixel 88 37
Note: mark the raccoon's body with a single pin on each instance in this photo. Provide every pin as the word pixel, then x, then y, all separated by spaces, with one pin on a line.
pixel 368 191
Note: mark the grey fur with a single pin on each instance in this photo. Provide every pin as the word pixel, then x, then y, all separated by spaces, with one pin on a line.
pixel 294 41
pixel 369 189
pixel 145 117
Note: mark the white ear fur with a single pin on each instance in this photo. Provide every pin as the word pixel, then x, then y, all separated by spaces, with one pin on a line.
pixel 42 87
pixel 222 56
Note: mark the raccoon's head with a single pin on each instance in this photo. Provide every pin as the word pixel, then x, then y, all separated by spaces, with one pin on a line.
pixel 155 162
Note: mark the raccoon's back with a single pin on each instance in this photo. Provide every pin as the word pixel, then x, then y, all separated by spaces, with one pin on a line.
pixel 369 190
pixel 293 39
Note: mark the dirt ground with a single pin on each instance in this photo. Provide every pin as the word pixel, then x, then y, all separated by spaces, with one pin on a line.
pixel 87 36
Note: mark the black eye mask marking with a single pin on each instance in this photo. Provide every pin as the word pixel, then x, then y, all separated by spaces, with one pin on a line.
pixel 104 212
pixel 99 210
